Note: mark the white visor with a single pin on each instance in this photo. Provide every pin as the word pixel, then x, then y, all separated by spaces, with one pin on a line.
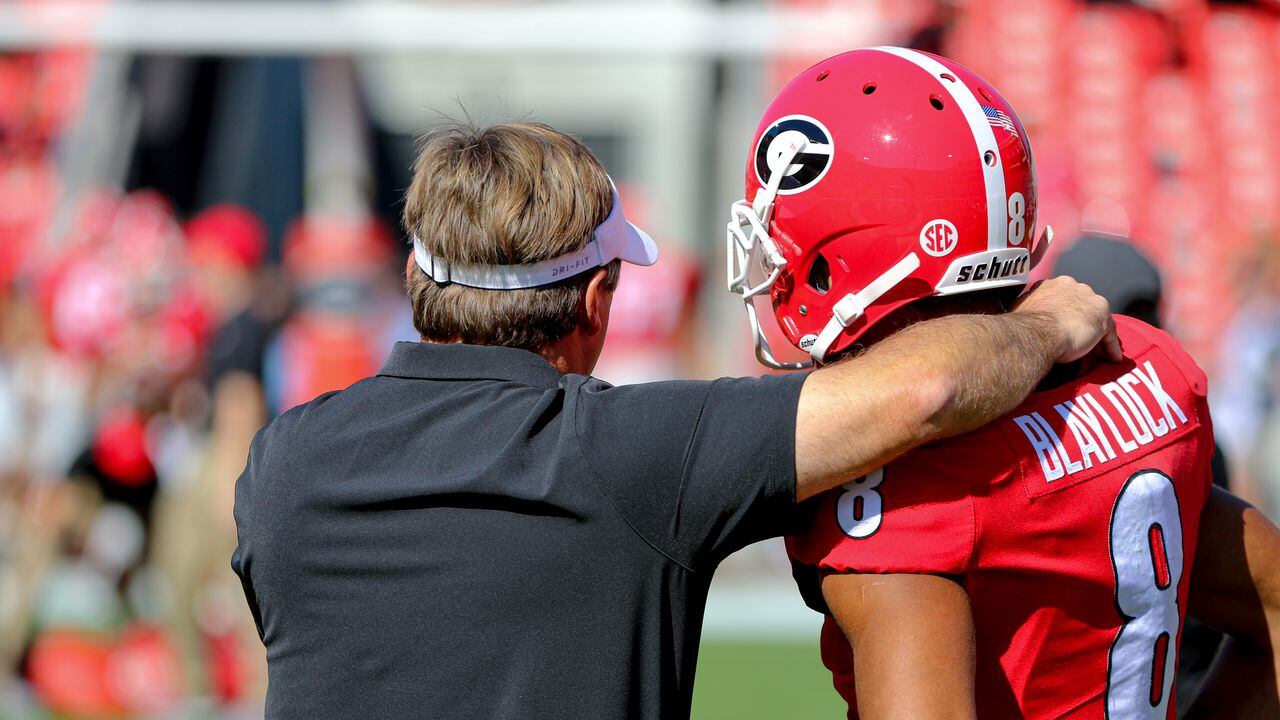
pixel 614 239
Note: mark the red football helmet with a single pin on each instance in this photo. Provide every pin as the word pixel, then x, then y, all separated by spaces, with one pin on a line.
pixel 880 177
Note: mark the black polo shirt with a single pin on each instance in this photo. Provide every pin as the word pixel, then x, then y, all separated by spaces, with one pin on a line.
pixel 471 534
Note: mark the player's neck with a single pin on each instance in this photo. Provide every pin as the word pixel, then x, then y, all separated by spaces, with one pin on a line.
pixel 931 309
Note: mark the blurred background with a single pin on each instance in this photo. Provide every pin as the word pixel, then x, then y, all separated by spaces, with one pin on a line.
pixel 199 207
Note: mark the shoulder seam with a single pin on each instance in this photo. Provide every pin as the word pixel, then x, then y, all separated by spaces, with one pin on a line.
pixel 1169 346
pixel 599 483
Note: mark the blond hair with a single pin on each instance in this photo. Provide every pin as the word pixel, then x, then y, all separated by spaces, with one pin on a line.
pixel 506 194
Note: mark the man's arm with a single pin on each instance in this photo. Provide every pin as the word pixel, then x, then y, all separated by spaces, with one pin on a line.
pixel 1235 587
pixel 913 644
pixel 939 378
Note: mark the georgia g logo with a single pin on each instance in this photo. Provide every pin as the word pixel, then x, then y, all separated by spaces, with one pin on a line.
pixel 782 137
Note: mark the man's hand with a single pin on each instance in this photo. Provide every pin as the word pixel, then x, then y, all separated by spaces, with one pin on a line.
pixel 1080 318
pixel 939 378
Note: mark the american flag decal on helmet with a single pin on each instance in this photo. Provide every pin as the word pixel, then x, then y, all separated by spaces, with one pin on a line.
pixel 999 119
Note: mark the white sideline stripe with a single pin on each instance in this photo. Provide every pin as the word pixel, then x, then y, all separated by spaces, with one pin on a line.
pixel 983 135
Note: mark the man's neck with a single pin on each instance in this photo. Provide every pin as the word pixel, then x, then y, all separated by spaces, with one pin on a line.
pixel 560 361
pixel 929 309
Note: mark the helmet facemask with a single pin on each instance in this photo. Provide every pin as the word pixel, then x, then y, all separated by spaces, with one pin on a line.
pixel 754 261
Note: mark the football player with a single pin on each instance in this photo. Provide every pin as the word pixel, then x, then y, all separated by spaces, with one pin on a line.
pixel 1041 566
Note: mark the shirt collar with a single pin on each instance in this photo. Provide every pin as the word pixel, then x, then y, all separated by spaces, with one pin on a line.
pixel 455 361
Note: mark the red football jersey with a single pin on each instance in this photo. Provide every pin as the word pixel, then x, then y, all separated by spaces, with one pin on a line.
pixel 1073 523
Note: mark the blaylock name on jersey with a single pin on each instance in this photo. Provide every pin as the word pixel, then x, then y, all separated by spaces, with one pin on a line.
pixel 1105 425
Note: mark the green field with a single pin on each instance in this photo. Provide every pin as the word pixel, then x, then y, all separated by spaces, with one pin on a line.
pixel 764 680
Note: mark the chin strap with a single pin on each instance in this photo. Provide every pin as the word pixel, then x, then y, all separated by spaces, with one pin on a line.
pixel 1042 246
pixel 852 306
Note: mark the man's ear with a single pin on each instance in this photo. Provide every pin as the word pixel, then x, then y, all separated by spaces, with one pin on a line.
pixel 596 303
pixel 408 266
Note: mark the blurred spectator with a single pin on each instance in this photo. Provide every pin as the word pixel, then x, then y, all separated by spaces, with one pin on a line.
pixel 1246 388
pixel 338 329
pixel 1116 270
pixel 226 244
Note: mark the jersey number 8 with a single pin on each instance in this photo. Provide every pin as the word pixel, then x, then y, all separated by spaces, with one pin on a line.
pixel 1146 554
pixel 860 506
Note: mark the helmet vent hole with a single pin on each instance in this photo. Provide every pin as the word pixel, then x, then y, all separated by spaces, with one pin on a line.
pixel 823 75
pixel 948 77
pixel 936 102
pixel 868 88
pixel 985 95
pixel 989 158
pixel 820 275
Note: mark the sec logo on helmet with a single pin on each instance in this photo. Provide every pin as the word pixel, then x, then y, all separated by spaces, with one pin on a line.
pixel 781 139
pixel 938 237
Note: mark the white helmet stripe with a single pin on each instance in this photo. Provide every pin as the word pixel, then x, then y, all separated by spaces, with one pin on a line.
pixel 983 135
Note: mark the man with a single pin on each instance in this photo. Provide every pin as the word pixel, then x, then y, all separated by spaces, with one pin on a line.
pixel 483 530
pixel 1071 523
